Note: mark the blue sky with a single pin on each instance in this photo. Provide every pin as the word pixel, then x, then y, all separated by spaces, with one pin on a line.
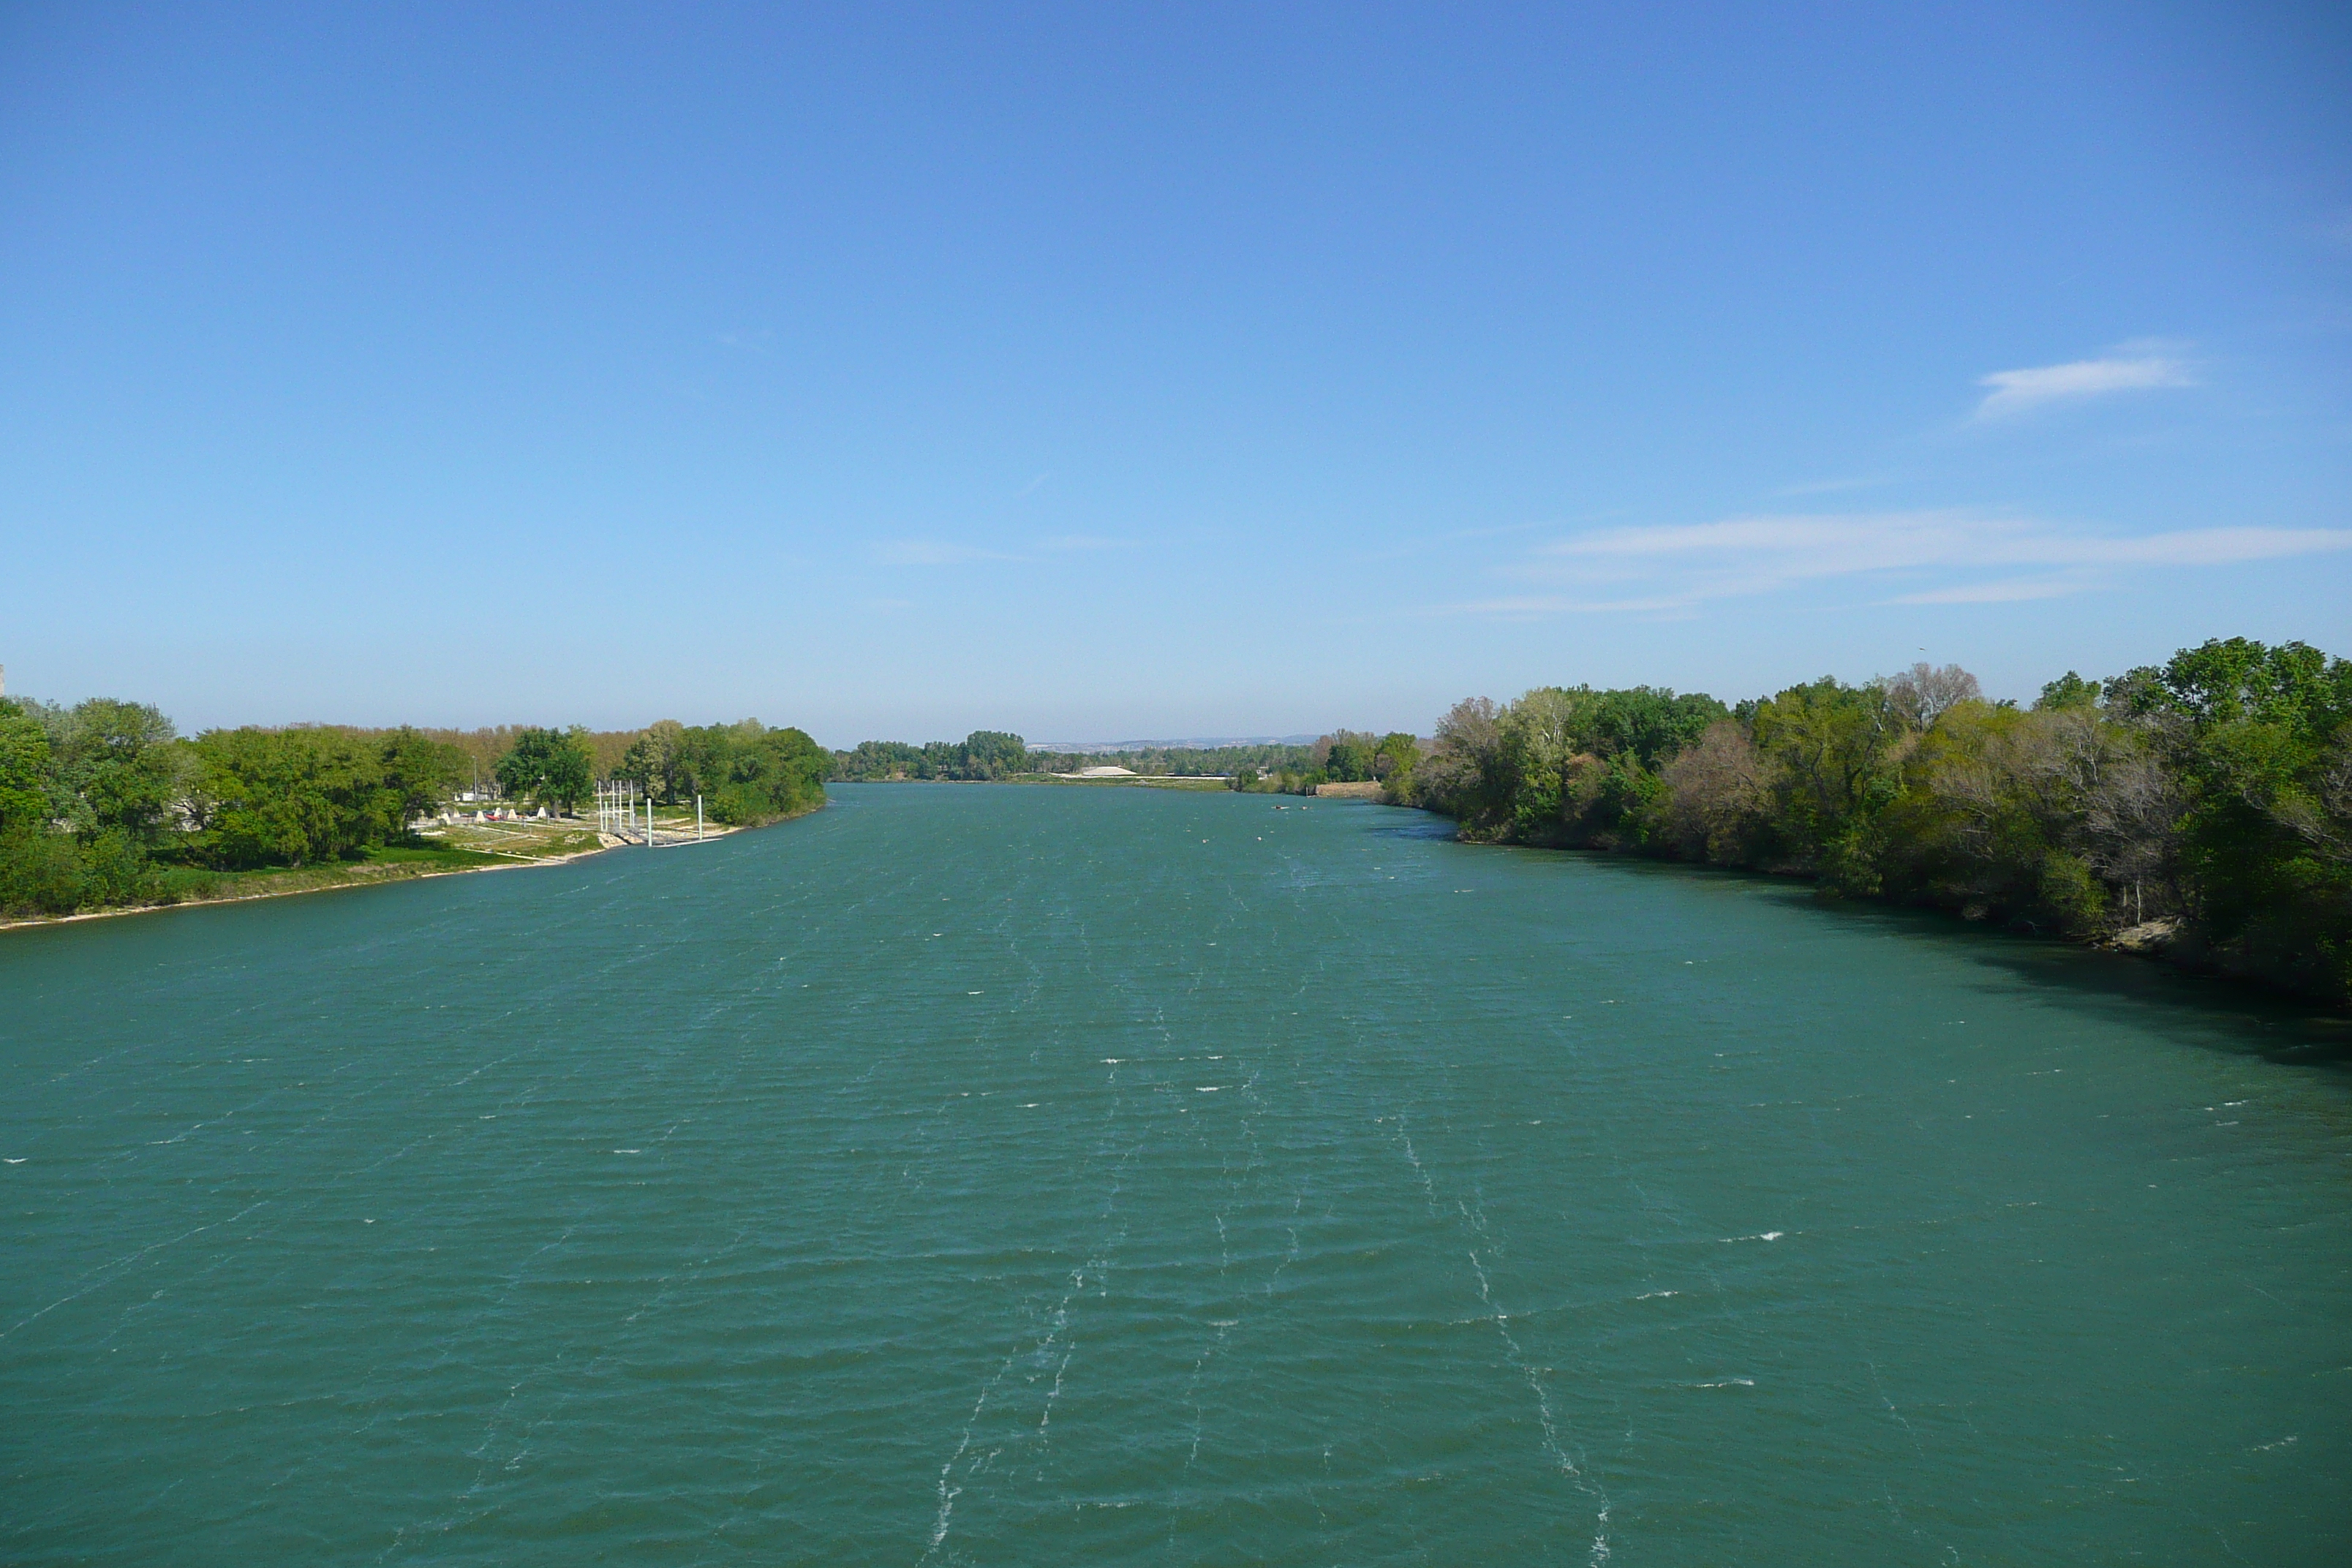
pixel 1105 372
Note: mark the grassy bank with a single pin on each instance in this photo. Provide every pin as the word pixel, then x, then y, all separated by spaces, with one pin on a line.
pixel 182 885
pixel 389 863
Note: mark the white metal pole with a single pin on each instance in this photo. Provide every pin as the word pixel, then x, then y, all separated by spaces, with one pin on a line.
pixel 697 819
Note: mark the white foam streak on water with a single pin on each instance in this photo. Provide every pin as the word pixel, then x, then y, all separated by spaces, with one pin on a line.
pixel 1553 1444
pixel 110 1271
pixel 948 1494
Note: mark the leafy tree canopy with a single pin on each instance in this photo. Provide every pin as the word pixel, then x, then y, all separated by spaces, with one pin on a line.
pixel 551 767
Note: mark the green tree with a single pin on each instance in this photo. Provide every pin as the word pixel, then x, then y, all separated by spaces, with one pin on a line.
pixel 1349 757
pixel 2259 740
pixel 550 767
pixel 292 797
pixel 656 763
pixel 1394 761
pixel 26 768
pixel 116 761
pixel 416 775
pixel 265 798
pixel 751 774
pixel 992 755
pixel 1469 773
pixel 41 872
pixel 40 869
pixel 1834 747
pixel 2069 690
pixel 881 760
pixel 1562 765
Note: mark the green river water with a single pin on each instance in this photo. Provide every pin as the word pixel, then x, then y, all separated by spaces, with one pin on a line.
pixel 1018 1175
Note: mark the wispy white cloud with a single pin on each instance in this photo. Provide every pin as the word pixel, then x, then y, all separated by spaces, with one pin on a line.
pixel 941 552
pixel 1832 545
pixel 2016 391
pixel 2193 547
pixel 1924 557
pixel 1084 542
pixel 1537 606
pixel 931 552
pixel 2010 591
pixel 1829 487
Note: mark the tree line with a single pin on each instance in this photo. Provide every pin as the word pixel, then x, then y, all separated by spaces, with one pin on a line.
pixel 987 754
pixel 1188 761
pixel 2206 801
pixel 1344 756
pixel 105 804
pixel 980 755
pixel 746 773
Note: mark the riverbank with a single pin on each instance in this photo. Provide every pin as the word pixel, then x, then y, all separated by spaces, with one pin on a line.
pixel 2205 790
pixel 452 850
pixel 393 865
pixel 2170 942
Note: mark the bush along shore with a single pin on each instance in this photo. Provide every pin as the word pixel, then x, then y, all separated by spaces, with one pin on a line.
pixel 2201 809
pixel 105 807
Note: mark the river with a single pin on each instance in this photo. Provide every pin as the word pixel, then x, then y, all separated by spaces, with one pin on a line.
pixel 972 1174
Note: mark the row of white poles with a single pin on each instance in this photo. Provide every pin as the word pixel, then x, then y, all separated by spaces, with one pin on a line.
pixel 616 809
